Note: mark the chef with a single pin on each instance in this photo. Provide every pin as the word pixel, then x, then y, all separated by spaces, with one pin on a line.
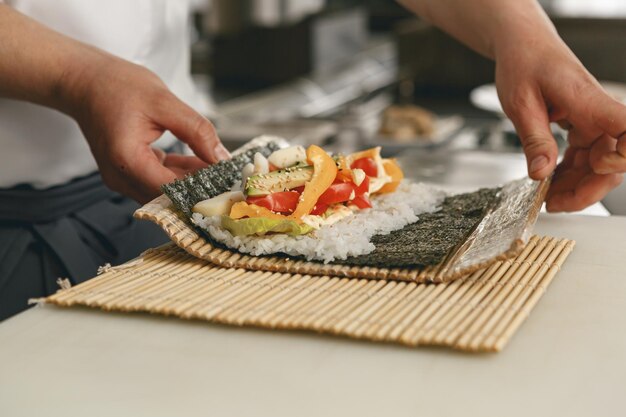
pixel 93 96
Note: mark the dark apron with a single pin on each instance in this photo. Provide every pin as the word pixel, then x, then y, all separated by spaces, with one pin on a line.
pixel 66 231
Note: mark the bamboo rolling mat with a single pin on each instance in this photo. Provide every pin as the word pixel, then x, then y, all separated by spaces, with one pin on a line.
pixel 479 312
pixel 160 211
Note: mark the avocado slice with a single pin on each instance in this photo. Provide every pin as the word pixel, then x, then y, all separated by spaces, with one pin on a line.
pixel 281 180
pixel 260 226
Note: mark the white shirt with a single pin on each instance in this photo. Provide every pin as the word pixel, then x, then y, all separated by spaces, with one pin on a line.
pixel 43 147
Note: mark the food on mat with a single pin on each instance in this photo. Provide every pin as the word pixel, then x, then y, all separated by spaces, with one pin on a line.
pixel 409 225
pixel 407 123
pixel 307 202
pixel 304 187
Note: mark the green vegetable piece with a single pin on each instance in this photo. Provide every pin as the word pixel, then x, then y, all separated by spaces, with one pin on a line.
pixel 281 180
pixel 260 226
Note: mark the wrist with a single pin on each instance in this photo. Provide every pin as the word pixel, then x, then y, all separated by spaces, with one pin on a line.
pixel 526 30
pixel 73 86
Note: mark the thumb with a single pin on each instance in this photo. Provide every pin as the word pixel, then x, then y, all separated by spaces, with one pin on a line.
pixel 191 127
pixel 533 127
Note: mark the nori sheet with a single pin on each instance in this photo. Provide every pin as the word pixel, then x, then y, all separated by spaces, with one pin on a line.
pixel 428 241
pixel 211 181
pixel 423 243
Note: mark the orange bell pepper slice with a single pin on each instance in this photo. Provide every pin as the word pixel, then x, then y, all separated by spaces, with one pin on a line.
pixel 324 173
pixel 344 173
pixel 395 172
pixel 242 209
pixel 373 153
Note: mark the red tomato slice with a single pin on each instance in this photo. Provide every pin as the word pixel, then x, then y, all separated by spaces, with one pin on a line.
pixel 361 202
pixel 368 165
pixel 281 202
pixel 319 209
pixel 363 188
pixel 337 193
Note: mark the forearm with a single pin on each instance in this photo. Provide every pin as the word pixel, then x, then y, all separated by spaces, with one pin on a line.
pixel 40 65
pixel 488 26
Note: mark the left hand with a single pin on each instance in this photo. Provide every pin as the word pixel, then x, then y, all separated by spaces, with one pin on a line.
pixel 544 82
pixel 122 109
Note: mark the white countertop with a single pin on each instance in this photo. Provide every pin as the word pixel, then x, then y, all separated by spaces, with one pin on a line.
pixel 567 359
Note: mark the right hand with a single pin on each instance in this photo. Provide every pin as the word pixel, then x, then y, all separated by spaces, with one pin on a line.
pixel 547 83
pixel 122 108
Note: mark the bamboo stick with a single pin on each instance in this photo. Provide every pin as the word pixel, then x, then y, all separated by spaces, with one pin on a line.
pixel 480 312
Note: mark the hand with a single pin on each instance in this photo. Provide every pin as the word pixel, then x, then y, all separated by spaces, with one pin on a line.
pixel 541 82
pixel 575 184
pixel 122 109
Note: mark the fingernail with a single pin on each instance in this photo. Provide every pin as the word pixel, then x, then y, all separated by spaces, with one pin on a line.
pixel 221 152
pixel 538 163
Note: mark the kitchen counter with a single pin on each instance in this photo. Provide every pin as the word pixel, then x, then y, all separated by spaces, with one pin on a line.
pixel 568 358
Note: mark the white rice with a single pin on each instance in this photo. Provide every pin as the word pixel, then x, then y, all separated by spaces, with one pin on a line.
pixel 349 236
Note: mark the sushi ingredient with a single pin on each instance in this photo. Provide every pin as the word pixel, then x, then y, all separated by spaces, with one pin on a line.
pixel 280 202
pixel 372 153
pixel 361 201
pixel 363 160
pixel 330 216
pixel 337 193
pixel 219 205
pixel 344 173
pixel 367 165
pixel 261 164
pixel 244 209
pixel 358 176
pixel 324 173
pixel 260 226
pixel 246 173
pixel 276 181
pixel 287 157
pixel 395 172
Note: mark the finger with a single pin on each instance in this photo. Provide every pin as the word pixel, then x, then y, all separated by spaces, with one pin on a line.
pixel 621 146
pixel 610 116
pixel 581 160
pixel 160 154
pixel 530 117
pixel 577 139
pixel 564 124
pixel 570 171
pixel 566 181
pixel 193 129
pixel 138 194
pixel 568 159
pixel 589 190
pixel 124 185
pixel 558 115
pixel 604 158
pixel 139 174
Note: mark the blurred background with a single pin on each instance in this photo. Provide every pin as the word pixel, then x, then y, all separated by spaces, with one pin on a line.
pixel 351 74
